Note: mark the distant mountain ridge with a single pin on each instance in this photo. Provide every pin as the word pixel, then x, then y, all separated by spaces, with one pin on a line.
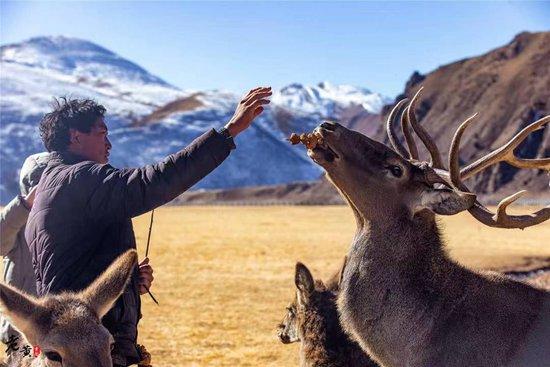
pixel 149 118
pixel 73 56
pixel 509 87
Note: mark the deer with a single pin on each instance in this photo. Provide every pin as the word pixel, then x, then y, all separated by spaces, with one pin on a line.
pixel 402 297
pixel 67 326
pixel 312 319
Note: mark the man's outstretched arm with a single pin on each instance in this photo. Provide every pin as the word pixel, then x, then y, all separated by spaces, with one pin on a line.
pixel 131 192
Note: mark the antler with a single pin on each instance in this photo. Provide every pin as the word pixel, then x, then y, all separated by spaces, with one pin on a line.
pixel 455 175
pixel 390 128
pixel 505 153
pixel 408 120
pixel 436 160
pixel 406 128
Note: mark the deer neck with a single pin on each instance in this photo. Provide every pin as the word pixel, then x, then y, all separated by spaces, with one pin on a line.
pixel 396 272
pixel 400 240
pixel 324 342
pixel 313 349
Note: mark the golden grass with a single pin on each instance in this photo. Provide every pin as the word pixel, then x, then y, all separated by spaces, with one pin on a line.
pixel 223 275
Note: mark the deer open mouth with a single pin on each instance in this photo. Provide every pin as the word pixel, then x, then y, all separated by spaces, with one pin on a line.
pixel 324 152
pixel 317 147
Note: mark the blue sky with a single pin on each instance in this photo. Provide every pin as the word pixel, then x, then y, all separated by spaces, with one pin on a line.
pixel 237 45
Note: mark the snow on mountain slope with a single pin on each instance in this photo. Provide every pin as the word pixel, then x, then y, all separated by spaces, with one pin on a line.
pixel 34 71
pixel 325 98
pixel 55 66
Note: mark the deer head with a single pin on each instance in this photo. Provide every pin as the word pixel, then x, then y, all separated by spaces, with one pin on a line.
pixel 384 184
pixel 314 300
pixel 308 299
pixel 67 327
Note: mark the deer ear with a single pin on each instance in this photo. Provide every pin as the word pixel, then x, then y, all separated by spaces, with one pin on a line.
pixel 105 290
pixel 23 310
pixel 304 282
pixel 445 201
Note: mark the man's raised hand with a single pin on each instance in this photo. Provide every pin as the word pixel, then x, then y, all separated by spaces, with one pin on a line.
pixel 248 109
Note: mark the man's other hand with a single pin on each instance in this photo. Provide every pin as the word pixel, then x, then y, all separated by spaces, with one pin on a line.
pixel 248 109
pixel 145 276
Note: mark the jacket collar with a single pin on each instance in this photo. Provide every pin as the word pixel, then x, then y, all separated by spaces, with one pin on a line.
pixel 67 157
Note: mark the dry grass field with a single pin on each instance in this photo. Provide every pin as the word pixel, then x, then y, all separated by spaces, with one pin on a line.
pixel 225 274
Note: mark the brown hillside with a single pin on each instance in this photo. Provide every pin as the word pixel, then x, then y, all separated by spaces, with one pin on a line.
pixel 510 88
pixel 179 105
pixel 299 193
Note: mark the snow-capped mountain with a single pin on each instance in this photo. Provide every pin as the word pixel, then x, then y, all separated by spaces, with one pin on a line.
pixel 43 67
pixel 326 98
pixel 149 118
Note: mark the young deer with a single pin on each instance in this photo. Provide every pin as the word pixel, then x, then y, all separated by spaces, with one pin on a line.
pixel 312 319
pixel 67 327
pixel 402 298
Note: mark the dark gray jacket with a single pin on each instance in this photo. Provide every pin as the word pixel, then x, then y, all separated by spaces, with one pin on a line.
pixel 81 221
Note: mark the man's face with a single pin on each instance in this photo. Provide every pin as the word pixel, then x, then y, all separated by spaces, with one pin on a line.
pixel 94 145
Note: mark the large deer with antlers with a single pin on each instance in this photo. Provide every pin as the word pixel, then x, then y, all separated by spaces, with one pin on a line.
pixel 402 298
pixel 67 326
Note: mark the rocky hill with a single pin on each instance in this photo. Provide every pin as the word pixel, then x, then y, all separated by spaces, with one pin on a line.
pixel 509 87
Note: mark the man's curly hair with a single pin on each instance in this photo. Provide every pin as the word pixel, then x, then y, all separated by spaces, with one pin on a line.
pixel 78 114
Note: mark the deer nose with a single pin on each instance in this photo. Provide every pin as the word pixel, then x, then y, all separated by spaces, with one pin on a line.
pixel 329 125
pixel 285 339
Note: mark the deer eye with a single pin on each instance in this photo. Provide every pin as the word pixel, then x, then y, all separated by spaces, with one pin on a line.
pixel 395 170
pixel 53 356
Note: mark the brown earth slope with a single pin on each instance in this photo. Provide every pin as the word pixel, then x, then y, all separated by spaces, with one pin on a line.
pixel 179 105
pixel 509 87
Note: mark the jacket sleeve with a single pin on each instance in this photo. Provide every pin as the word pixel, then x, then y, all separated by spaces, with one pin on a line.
pixel 131 192
pixel 12 219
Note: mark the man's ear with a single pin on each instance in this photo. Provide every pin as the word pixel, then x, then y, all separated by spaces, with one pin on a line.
pixel 304 282
pixel 105 290
pixel 23 310
pixel 73 136
pixel 444 201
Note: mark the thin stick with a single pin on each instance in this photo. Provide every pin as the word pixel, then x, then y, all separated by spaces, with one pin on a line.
pixel 153 297
pixel 147 251
pixel 149 235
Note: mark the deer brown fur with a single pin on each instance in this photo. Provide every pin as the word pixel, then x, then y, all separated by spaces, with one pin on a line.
pixel 312 319
pixel 402 297
pixel 67 326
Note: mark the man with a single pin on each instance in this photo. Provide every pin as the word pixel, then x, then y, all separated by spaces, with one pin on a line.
pixel 18 269
pixel 81 219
